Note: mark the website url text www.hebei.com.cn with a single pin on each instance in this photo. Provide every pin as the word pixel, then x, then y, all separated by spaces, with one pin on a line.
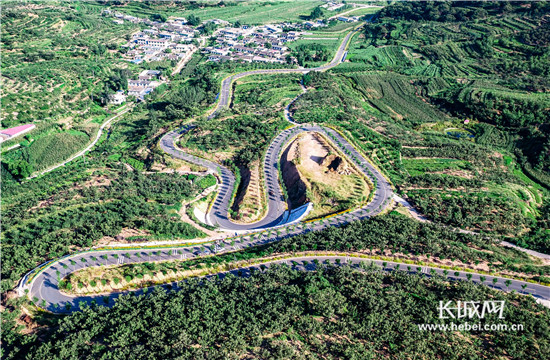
pixel 470 327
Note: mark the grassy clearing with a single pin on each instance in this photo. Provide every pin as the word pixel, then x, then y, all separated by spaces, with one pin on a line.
pixel 50 146
pixel 363 11
pixel 338 28
pixel 330 45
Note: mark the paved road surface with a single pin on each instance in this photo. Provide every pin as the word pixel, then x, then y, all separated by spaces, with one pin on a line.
pixel 225 93
pixel 45 287
pixel 276 203
pixel 42 282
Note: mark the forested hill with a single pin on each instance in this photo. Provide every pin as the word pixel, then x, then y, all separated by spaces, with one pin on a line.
pixel 450 11
pixel 450 100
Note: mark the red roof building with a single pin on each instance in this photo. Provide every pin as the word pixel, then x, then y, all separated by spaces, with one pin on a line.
pixel 16 131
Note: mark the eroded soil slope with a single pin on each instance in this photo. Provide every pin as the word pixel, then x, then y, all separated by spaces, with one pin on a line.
pixel 314 171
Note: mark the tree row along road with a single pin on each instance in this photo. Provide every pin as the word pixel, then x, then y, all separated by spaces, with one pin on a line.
pixel 42 283
pixel 46 286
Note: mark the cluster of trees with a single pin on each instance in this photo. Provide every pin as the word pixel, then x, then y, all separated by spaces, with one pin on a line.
pixel 539 237
pixel 305 53
pixel 285 313
pixel 20 169
pixel 41 222
pixel 399 234
pixel 316 13
pixel 193 20
pixel 492 136
pixel 533 152
pixel 118 80
pixel 208 28
pixel 201 87
pixel 264 96
pixel 505 111
pixel 443 11
pixel 379 31
pixel 250 134
pixel 539 36
pixel 159 17
pixel 474 211
pixel 326 103
pixel 186 99
pixel 206 181
pixel 520 117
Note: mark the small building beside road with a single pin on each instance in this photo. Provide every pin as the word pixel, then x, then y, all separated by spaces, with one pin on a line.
pixel 117 98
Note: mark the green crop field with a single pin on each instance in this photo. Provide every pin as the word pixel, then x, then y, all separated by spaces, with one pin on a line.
pixel 247 12
pixel 421 80
pixel 256 12
pixel 54 62
pixel 332 44
pixel 48 74
pixel 421 166
pixel 397 97
pixel 363 11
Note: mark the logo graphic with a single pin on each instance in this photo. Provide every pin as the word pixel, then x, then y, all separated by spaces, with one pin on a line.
pixel 470 309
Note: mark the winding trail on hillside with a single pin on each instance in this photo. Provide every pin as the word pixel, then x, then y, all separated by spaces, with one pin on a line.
pixel 42 283
pixel 87 148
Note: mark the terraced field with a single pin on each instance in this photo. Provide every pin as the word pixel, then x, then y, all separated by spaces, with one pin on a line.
pixel 52 78
pixel 54 68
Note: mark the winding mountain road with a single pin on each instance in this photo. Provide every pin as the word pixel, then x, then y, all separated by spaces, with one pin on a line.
pixel 277 214
pixel 41 284
pixel 46 289
pixel 225 92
